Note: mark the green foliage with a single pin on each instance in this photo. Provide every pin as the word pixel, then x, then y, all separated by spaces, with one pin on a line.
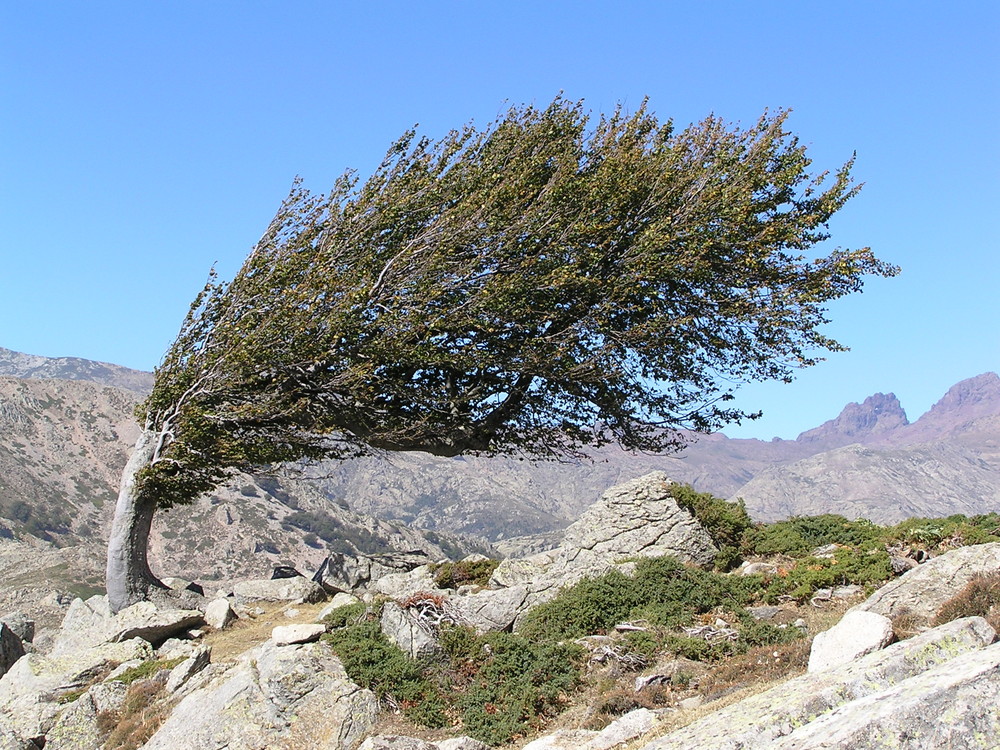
pixel 662 591
pixel 505 290
pixel 500 683
pixel 146 670
pixel 451 575
pixel 516 683
pixel 801 534
pixel 374 663
pixel 725 522
pixel 956 530
pixel 350 614
pixel 848 565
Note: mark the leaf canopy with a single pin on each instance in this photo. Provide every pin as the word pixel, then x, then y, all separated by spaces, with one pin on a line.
pixel 540 285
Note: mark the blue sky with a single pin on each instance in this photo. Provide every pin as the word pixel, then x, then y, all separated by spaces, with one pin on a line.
pixel 142 142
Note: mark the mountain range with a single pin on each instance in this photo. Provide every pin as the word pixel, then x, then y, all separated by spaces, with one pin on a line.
pixel 66 428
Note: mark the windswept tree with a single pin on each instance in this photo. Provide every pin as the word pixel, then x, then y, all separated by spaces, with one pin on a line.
pixel 541 285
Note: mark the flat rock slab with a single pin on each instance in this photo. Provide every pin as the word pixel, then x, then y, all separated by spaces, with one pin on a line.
pixel 953 705
pixel 920 592
pixel 286 635
pixel 760 721
pixel 151 623
pixel 858 633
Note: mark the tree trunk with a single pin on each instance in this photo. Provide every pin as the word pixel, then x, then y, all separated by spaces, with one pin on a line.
pixel 129 578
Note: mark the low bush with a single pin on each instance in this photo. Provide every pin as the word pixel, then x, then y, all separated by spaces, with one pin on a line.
pixel 979 598
pixel 725 522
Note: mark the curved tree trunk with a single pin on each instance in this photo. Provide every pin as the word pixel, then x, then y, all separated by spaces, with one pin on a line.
pixel 129 578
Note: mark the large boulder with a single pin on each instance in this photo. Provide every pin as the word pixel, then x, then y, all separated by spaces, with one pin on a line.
pixel 276 696
pixel 919 593
pixel 11 648
pixel 31 690
pixel 634 519
pixel 151 623
pixel 894 675
pixel 347 573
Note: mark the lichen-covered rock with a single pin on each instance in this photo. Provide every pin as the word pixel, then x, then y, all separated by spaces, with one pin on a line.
pixel 489 609
pixel 763 720
pixel 31 689
pixel 76 727
pixel 624 729
pixel 188 668
pixel 858 633
pixel 953 705
pixel 920 592
pixel 287 696
pixel 85 624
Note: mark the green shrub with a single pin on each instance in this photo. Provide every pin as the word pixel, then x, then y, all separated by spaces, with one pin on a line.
pixel 847 566
pixel 724 521
pixel 349 614
pixel 799 535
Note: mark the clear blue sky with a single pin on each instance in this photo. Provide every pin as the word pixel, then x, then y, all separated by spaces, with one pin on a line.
pixel 142 142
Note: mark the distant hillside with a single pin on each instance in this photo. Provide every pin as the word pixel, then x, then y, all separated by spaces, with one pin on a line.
pixel 63 444
pixel 17 365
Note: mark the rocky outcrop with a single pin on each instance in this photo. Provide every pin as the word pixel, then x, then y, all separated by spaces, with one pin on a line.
pixel 633 519
pixel 276 696
pixel 920 592
pixel 877 415
pixel 346 573
pixel 945 662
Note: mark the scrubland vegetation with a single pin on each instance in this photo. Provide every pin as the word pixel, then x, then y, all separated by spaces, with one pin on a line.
pixel 500 686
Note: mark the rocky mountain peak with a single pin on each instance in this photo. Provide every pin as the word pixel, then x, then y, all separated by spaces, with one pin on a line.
pixel 974 397
pixel 876 416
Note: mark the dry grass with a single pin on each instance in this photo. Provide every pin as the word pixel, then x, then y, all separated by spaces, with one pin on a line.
pixel 252 630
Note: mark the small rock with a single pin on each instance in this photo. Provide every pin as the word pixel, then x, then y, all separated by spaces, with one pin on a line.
pixel 188 668
pixel 759 568
pixel 826 551
pixel 858 633
pixel 766 612
pixel 800 624
pixel 902 564
pixel 693 702
pixel 278 590
pixel 291 614
pixel 461 743
pixel 219 614
pixel 395 742
pixel 847 592
pixel 286 635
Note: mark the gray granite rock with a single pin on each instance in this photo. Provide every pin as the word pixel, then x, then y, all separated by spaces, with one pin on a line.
pixel 765 719
pixel 219 613
pixel 920 592
pixel 276 696
pixel 287 635
pixel 858 633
